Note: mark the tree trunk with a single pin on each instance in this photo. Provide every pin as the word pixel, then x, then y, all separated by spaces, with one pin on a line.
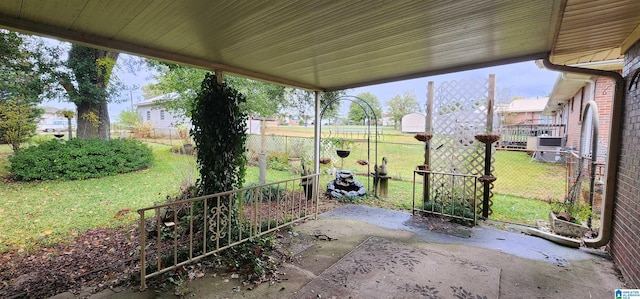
pixel 92 71
pixel 93 121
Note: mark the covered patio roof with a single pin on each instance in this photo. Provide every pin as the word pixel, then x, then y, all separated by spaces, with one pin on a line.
pixel 333 45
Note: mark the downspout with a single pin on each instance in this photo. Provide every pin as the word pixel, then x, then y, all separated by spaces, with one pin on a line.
pixel 614 147
pixel 590 107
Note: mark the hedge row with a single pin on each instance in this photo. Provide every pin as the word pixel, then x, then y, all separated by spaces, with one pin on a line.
pixel 79 159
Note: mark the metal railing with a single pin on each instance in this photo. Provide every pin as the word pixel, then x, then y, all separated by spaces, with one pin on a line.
pixel 516 136
pixel 182 232
pixel 448 194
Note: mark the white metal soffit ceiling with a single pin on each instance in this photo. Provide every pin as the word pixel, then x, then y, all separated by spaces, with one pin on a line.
pixel 332 45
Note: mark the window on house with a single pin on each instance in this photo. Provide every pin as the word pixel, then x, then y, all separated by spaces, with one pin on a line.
pixel 148 115
pixel 161 114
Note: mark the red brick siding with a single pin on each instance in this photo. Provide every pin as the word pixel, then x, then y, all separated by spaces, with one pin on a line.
pixel 603 97
pixel 572 110
pixel 625 242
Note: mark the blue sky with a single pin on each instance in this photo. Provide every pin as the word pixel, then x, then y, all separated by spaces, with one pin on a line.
pixel 524 79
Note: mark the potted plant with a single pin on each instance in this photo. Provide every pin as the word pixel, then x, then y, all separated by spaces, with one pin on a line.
pixel 183 133
pixel 343 146
pixel 566 218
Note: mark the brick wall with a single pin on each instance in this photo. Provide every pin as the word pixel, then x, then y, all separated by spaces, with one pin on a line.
pixel 573 112
pixel 603 96
pixel 625 243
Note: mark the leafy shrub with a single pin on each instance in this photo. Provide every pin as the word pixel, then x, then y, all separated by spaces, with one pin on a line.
pixel 79 159
pixel 269 193
pixel 278 161
pixel 40 139
pixel 143 130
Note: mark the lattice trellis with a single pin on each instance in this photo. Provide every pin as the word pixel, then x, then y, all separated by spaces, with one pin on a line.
pixel 459 113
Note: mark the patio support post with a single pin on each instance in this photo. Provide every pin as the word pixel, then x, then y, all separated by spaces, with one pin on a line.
pixel 427 149
pixel 316 150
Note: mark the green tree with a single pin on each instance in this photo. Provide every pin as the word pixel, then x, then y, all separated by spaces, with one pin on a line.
pixel 18 119
pixel 90 85
pixel 27 68
pixel 358 115
pixel 303 102
pixel 401 105
pixel 263 99
pixel 128 118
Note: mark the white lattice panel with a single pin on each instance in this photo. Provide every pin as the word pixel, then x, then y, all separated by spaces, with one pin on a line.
pixel 459 113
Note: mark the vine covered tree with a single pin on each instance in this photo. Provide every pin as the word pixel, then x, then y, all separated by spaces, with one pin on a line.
pixel 401 105
pixel 88 87
pixel 219 131
pixel 357 114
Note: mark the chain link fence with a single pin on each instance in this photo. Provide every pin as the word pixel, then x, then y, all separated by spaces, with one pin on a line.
pixel 521 174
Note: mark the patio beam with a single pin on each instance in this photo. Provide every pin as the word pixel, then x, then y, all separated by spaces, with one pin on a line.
pixel 96 41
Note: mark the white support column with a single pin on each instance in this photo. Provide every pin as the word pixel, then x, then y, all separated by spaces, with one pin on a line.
pixel 316 150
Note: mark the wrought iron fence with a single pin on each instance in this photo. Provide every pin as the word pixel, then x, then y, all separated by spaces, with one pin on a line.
pixel 182 232
pixel 448 194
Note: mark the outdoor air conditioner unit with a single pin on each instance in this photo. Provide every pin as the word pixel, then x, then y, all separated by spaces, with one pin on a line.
pixel 549 143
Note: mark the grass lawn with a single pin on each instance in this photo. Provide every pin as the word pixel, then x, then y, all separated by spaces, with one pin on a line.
pixel 518 209
pixel 43 213
pixel 519 175
pixel 51 211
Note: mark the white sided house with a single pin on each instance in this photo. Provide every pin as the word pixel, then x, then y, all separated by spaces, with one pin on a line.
pixel 413 123
pixel 165 122
pixel 53 121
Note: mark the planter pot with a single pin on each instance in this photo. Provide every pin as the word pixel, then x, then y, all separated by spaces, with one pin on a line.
pixel 422 168
pixel 295 162
pixel 566 228
pixel 343 153
pixel 188 148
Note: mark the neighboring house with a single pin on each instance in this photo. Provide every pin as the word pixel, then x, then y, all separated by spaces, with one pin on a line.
pixel 568 100
pixel 52 121
pixel 413 123
pixel 165 122
pixel 522 111
pixel 521 121
pixel 387 120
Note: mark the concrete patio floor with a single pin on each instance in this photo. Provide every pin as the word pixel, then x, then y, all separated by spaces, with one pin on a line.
pixel 529 267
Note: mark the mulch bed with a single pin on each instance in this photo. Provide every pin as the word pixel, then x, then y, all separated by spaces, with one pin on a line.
pixel 99 258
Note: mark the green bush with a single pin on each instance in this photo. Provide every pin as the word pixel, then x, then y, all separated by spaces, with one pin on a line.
pixel 40 139
pixel 269 193
pixel 278 161
pixel 79 159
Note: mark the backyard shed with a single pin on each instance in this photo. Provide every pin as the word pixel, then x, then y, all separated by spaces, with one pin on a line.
pixel 413 123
